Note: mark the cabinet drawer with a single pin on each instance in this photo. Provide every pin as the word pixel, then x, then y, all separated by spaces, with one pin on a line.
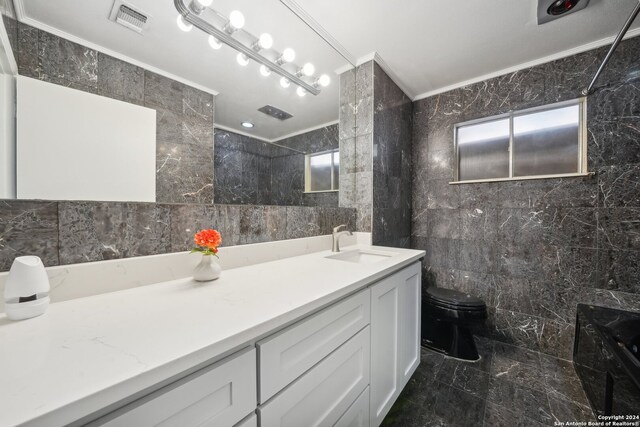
pixel 288 354
pixel 322 395
pixel 358 414
pixel 250 421
pixel 221 394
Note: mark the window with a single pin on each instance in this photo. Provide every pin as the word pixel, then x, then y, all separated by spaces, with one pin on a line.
pixel 322 171
pixel 542 142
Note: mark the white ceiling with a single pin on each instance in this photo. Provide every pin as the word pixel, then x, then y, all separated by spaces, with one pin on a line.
pixel 187 56
pixel 430 45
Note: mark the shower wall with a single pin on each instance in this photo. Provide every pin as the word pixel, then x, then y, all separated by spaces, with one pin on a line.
pixel 533 250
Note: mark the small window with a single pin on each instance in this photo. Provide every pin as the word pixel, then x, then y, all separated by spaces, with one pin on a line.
pixel 542 142
pixel 322 171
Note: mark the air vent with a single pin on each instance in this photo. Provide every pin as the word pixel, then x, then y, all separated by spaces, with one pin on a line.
pixel 129 17
pixel 274 112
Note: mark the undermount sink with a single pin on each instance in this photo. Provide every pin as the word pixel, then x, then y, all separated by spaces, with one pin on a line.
pixel 359 256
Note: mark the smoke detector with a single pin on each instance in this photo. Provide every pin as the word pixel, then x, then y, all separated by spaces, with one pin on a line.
pixel 129 16
pixel 550 10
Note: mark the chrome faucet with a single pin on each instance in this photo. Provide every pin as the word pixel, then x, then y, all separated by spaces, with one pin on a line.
pixel 336 237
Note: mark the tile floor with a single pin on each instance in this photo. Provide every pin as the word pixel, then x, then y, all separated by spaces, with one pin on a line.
pixel 508 386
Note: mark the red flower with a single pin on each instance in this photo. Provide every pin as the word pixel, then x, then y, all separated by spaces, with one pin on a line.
pixel 209 239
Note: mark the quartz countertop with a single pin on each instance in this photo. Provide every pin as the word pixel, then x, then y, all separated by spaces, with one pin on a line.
pixel 85 354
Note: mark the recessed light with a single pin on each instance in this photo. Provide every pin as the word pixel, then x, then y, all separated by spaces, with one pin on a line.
pixel 247 124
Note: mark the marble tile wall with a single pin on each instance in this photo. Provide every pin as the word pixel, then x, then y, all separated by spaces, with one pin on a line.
pixel 250 171
pixel 533 250
pixel 242 168
pixel 392 132
pixel 356 142
pixel 75 232
pixel 184 139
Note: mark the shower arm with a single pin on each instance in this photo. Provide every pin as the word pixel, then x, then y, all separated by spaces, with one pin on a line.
pixel 589 90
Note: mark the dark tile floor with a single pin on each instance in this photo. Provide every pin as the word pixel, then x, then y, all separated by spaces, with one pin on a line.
pixel 508 386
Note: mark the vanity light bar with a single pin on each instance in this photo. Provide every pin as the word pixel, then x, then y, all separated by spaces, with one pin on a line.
pixel 189 16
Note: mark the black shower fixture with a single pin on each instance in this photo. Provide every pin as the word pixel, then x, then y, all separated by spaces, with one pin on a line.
pixel 549 10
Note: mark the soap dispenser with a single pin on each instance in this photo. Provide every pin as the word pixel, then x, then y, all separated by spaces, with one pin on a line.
pixel 26 292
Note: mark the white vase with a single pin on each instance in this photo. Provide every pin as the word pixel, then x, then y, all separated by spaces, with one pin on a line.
pixel 208 269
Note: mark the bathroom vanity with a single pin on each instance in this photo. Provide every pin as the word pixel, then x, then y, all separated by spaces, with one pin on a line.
pixel 307 340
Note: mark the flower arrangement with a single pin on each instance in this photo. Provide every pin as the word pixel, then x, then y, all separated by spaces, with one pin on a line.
pixel 207 242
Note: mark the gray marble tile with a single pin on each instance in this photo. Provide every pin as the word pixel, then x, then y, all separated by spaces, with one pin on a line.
pixel 120 80
pixel 95 231
pixel 60 59
pixel 499 416
pixel 619 270
pixel 619 186
pixel 465 377
pixel 522 400
pixel 27 52
pixel 28 228
pixel 302 222
pixel 619 229
pixel 163 93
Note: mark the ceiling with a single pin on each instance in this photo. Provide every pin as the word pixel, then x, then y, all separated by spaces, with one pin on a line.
pixel 432 45
pixel 427 46
pixel 188 57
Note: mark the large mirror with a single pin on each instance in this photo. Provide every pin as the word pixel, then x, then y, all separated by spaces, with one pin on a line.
pixel 186 101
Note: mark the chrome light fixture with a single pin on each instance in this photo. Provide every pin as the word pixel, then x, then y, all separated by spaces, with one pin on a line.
pixel 190 16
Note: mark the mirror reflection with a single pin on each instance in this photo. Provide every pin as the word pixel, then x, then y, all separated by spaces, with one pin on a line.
pixel 189 101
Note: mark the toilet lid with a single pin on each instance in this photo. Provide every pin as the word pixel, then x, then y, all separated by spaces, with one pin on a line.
pixel 455 298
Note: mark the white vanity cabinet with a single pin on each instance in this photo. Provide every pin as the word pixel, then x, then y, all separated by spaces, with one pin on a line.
pixel 343 366
pixel 221 394
pixel 395 337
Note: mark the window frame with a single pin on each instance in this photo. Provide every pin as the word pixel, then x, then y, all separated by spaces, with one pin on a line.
pixel 511 115
pixel 335 170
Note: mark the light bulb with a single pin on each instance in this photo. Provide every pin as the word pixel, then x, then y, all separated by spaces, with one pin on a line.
pixel 247 125
pixel 284 82
pixel 214 43
pixel 301 92
pixel 236 19
pixel 324 80
pixel 289 54
pixel 183 25
pixel 264 70
pixel 308 69
pixel 265 41
pixel 242 59
pixel 204 3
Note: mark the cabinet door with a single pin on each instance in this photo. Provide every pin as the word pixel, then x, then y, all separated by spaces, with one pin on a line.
pixel 384 347
pixel 322 395
pixel 358 414
pixel 219 395
pixel 410 312
pixel 395 337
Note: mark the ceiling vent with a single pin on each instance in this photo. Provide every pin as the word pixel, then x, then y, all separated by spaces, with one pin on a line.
pixel 550 10
pixel 128 16
pixel 274 112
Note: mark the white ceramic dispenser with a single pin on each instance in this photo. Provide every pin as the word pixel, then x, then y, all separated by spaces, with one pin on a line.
pixel 26 292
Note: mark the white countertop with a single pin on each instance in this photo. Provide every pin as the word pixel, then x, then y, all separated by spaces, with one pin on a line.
pixel 85 354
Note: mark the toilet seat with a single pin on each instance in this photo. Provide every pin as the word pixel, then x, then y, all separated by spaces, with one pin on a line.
pixel 453 300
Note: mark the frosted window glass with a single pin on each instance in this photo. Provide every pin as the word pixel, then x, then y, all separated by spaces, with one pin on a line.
pixel 483 150
pixel 547 143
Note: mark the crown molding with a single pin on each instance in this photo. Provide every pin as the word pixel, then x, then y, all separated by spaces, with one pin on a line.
pixel 22 17
pixel 299 11
pixel 303 131
pixel 564 54
pixel 375 56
